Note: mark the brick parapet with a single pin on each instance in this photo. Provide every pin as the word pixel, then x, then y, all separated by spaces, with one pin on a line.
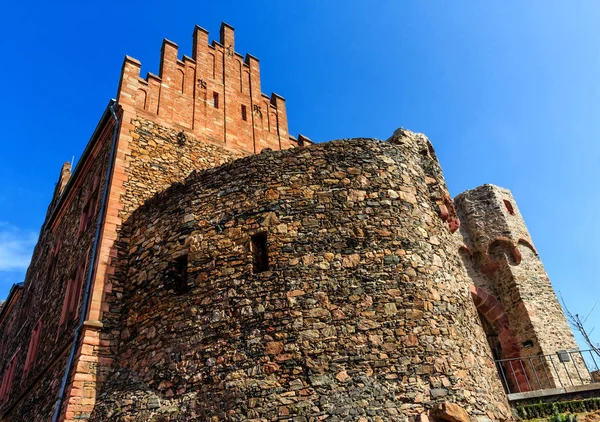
pixel 204 95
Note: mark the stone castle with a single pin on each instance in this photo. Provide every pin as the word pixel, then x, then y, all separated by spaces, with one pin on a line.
pixel 201 264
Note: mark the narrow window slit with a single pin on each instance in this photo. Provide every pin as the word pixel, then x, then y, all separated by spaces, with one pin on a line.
pixel 509 207
pixel 216 99
pixel 260 258
pixel 431 150
pixel 244 115
pixel 176 277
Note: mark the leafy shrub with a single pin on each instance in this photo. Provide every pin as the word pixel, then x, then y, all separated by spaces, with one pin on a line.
pixel 558 412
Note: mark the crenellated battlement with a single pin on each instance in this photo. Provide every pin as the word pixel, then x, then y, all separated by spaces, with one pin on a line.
pixel 215 94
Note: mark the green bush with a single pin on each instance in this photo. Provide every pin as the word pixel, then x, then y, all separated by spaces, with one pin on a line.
pixel 563 417
pixel 558 412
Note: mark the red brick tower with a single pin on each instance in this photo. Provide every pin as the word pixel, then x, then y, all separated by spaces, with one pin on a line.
pixel 214 95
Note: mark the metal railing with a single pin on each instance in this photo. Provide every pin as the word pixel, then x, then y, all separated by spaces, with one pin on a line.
pixel 563 369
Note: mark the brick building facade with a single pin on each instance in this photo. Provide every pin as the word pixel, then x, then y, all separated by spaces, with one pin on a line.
pixel 200 263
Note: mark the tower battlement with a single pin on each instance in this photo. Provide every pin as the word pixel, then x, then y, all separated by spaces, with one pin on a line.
pixel 214 95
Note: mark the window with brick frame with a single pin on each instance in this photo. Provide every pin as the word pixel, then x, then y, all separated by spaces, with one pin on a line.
pixel 73 295
pixel 509 207
pixel 28 300
pixel 90 203
pixel 7 378
pixel 244 113
pixel 216 99
pixel 34 343
pixel 53 260
pixel 9 327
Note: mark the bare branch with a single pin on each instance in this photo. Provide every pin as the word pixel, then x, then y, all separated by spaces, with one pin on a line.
pixel 590 313
pixel 578 324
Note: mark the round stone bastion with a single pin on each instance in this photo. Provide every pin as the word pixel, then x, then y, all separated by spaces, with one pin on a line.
pixel 318 283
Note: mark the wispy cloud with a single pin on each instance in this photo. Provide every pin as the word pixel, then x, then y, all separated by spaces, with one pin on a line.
pixel 16 246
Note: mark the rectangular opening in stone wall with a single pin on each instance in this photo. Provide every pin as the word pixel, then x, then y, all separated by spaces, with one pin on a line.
pixel 64 315
pixel 7 379
pixel 176 277
pixel 53 261
pixel 90 203
pixel 260 258
pixel 509 207
pixel 84 211
pixel 73 295
pixel 34 342
pixel 76 291
pixel 216 99
pixel 93 206
pixel 244 115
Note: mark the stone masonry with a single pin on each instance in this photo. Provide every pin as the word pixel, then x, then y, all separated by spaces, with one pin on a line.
pixel 202 264
pixel 363 311
pixel 510 282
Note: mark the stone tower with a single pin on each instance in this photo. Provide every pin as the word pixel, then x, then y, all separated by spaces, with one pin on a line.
pixel 511 288
pixel 306 284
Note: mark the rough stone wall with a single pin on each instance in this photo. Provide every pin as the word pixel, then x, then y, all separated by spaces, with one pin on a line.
pixel 34 393
pixel 156 158
pixel 149 158
pixel 8 318
pixel 63 178
pixel 363 314
pixel 502 261
pixel 159 145
pixel 160 156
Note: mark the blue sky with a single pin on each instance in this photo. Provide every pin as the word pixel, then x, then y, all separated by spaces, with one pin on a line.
pixel 508 92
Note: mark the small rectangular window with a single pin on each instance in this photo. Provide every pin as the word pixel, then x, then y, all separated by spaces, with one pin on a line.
pixel 244 115
pixel 76 293
pixel 176 276
pixel 69 301
pixel 260 258
pixel 73 295
pixel 66 300
pixel 216 99
pixel 90 203
pixel 509 207
pixel 34 343
pixel 7 379
pixel 53 260
pixel 93 207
